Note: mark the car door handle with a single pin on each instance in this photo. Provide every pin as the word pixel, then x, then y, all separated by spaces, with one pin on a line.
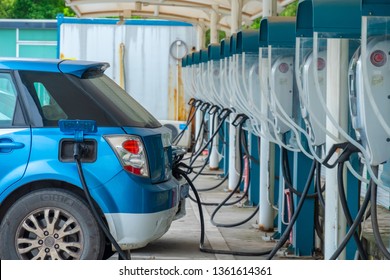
pixel 7 145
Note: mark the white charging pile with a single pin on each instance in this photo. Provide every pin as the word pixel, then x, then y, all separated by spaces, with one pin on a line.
pixel 370 83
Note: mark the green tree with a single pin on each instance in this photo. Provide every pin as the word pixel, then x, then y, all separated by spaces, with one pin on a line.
pixel 290 10
pixel 256 23
pixel 221 35
pixel 39 9
pixel 6 8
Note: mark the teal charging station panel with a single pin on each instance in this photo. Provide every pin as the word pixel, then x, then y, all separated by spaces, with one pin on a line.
pixel 279 32
pixel 344 23
pixel 248 43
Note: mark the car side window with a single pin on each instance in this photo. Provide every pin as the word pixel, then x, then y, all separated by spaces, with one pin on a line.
pixel 51 111
pixel 7 100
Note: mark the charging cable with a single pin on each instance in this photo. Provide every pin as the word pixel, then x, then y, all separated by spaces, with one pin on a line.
pixel 78 151
pixel 347 213
pixel 191 115
pixel 178 170
pixel 354 225
pixel 286 234
pixel 374 218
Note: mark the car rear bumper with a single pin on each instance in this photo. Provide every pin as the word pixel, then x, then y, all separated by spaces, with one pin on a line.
pixel 136 230
pixel 140 213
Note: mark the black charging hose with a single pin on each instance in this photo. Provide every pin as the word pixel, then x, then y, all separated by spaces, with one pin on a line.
pixel 319 202
pixel 318 186
pixel 202 226
pixel 374 216
pixel 294 218
pixel 347 213
pixel 190 117
pixel 197 139
pixel 317 195
pixel 222 115
pixel 206 161
pixel 317 225
pixel 192 152
pixel 225 201
pixel 222 137
pixel 77 156
pixel 239 123
pixel 199 152
pixel 354 225
pixel 210 144
pixel 216 186
pixel 287 177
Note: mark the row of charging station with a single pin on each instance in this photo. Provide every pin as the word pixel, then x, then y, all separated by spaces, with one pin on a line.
pixel 315 86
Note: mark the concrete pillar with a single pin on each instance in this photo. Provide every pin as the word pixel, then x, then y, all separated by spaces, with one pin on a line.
pixel 214 17
pixel 337 102
pixel 233 143
pixel 236 16
pixel 214 156
pixel 200 35
pixel 269 8
pixel 266 213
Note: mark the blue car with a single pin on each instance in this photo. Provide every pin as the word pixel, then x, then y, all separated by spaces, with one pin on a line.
pixel 127 164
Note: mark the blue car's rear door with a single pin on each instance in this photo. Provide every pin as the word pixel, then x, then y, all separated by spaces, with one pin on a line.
pixel 15 139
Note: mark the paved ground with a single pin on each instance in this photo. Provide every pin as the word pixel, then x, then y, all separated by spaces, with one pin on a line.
pixel 182 240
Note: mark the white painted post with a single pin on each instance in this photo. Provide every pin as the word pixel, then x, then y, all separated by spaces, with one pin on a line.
pixel 214 156
pixel 233 146
pixel 236 16
pixel 269 8
pixel 214 25
pixel 200 35
pixel 337 102
pixel 267 158
pixel 199 113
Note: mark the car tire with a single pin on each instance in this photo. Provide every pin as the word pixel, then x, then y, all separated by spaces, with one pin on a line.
pixel 50 224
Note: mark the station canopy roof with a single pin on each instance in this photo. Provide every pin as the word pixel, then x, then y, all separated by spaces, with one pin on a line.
pixel 197 12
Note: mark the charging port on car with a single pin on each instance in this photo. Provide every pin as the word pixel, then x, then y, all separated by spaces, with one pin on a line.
pixel 88 149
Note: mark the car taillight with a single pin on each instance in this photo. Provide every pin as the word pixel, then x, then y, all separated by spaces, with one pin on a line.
pixel 378 58
pixel 132 146
pixel 131 152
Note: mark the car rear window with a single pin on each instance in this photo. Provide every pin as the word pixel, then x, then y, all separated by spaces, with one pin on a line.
pixel 62 96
